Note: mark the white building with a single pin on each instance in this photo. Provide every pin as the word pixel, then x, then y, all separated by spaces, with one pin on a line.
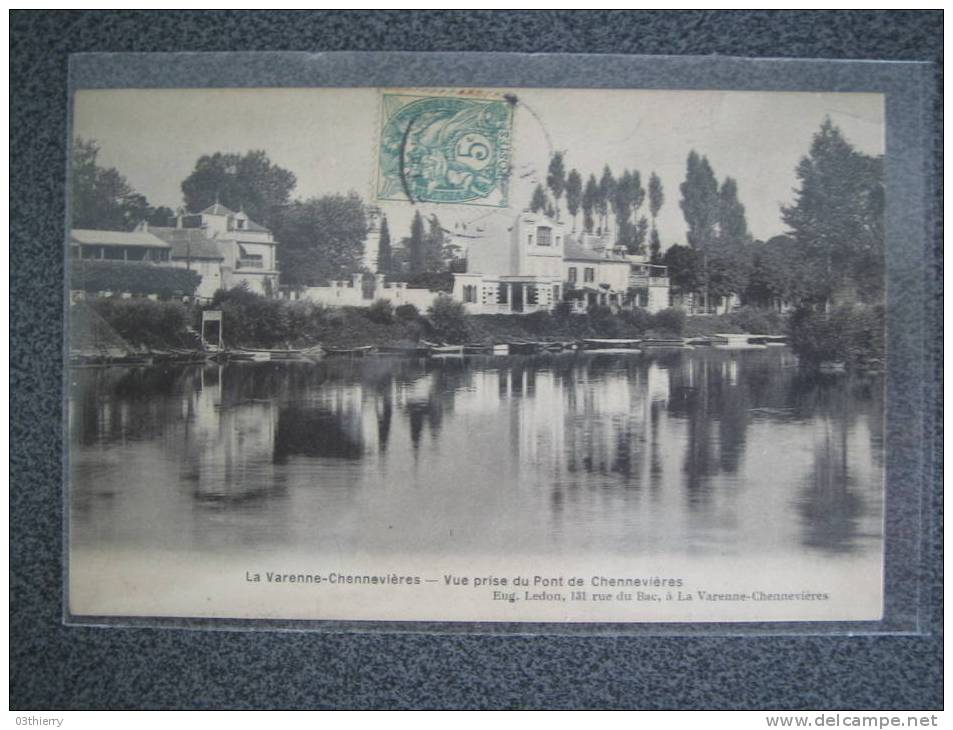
pixel 225 247
pixel 513 267
pixel 532 264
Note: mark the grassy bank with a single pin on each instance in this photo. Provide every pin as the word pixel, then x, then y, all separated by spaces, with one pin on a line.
pixel 254 321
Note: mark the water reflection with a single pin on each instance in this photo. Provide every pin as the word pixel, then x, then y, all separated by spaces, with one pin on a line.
pixel 685 452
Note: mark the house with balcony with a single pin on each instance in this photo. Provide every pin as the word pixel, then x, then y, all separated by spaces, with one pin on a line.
pixel 595 276
pixel 513 266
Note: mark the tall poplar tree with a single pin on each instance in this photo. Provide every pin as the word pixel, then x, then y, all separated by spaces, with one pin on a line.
pixel 384 253
pixel 556 178
pixel 573 195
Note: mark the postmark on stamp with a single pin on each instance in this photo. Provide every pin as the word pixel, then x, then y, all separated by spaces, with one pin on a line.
pixel 444 149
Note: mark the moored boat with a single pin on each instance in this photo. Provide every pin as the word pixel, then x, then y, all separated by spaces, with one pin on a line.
pixel 610 344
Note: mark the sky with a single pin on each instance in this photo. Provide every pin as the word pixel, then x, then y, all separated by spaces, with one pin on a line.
pixel 328 138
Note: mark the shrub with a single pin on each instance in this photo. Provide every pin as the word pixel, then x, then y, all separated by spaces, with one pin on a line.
pixel 406 312
pixel 638 320
pixel 448 319
pixel 603 322
pixel 145 322
pixel 562 310
pixel 669 320
pixel 132 278
pixel 537 322
pixel 757 321
pixel 381 312
pixel 851 334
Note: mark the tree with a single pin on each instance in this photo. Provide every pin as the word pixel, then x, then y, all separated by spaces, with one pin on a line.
pixel 590 197
pixel 249 182
pixel 434 241
pixel 321 239
pixel 384 255
pixel 655 246
pixel 539 200
pixel 700 203
pixel 415 245
pixel 621 202
pixel 732 223
pixel 837 217
pixel 604 196
pixel 778 273
pixel 640 233
pixel 100 197
pixel 685 269
pixel 556 178
pixel 656 199
pixel 573 195
pixel 161 216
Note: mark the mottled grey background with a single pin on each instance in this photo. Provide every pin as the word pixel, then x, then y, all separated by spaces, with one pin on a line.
pixel 53 666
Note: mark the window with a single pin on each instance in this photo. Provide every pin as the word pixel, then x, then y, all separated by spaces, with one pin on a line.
pixel 469 293
pixel 589 275
pixel 555 293
pixel 502 298
pixel 573 275
pixel 532 294
pixel 544 236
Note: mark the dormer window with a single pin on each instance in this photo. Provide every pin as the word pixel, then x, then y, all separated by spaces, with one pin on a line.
pixel 240 223
pixel 544 236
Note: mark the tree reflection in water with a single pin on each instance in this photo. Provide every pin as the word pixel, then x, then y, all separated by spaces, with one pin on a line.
pixel 679 448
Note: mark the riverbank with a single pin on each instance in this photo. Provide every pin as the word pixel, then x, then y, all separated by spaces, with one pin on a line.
pixel 255 322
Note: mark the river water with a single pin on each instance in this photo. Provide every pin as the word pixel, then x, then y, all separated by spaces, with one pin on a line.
pixel 691 453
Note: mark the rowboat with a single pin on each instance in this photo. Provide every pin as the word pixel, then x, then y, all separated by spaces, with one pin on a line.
pixel 348 351
pixel 401 351
pixel 446 350
pixel 610 344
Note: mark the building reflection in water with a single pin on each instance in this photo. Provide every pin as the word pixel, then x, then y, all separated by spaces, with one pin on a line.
pixel 685 451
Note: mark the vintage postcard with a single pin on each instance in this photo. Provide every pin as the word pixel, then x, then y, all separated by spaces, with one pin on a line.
pixel 476 354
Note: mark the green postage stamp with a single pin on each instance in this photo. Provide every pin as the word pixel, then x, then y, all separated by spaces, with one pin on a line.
pixel 444 149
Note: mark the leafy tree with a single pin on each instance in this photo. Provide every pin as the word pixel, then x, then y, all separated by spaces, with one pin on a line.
pixel 732 223
pixel 573 195
pixel 700 203
pixel 384 262
pixel 100 197
pixel 590 198
pixel 161 216
pixel 321 238
pixel 621 202
pixel 538 201
pixel 604 196
pixel 655 246
pixel 250 182
pixel 416 244
pixel 556 178
pixel 640 233
pixel 685 268
pixel 434 243
pixel 837 218
pixel 656 195
pixel 656 199
pixel 778 272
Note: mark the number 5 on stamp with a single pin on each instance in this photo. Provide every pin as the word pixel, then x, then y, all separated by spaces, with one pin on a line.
pixel 444 149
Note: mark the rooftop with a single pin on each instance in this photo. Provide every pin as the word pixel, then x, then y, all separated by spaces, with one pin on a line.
pixel 91 237
pixel 218 209
pixel 189 243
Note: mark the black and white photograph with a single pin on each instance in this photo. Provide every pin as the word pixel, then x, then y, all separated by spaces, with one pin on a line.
pixel 476 354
